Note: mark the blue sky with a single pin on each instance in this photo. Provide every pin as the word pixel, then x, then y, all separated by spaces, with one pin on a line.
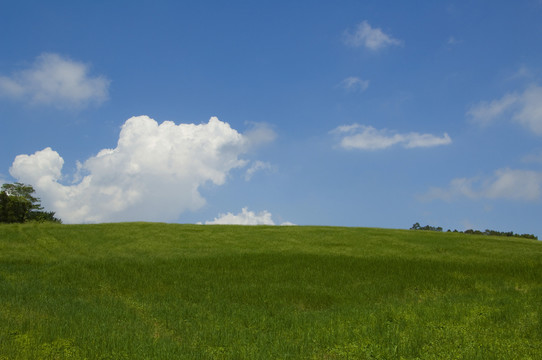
pixel 373 113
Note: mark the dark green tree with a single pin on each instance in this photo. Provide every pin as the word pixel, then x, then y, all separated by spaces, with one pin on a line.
pixel 18 204
pixel 416 226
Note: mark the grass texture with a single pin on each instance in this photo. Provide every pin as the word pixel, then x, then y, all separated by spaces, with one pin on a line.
pixel 169 291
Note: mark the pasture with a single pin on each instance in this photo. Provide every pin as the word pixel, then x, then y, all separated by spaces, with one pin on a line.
pixel 170 291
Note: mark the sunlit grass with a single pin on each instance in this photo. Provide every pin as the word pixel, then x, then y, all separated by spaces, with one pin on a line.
pixel 159 291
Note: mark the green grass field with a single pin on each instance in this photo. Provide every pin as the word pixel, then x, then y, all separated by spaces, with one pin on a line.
pixel 165 291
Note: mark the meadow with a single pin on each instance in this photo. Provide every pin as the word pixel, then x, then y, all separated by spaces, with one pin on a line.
pixel 170 291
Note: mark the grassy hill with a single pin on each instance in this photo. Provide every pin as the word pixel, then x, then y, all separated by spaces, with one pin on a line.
pixel 165 291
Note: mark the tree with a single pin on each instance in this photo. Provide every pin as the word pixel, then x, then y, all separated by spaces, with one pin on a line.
pixel 488 232
pixel 416 226
pixel 18 204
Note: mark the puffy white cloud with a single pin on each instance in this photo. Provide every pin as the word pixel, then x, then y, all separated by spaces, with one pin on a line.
pixel 44 165
pixel 153 174
pixel 354 83
pixel 524 108
pixel 372 38
pixel 510 184
pixel 55 80
pixel 245 217
pixel 368 138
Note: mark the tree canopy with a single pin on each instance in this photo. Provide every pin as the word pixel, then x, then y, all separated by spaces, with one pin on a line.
pixel 18 204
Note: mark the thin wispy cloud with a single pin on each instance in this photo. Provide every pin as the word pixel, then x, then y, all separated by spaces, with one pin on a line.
pixel 259 134
pixel 354 84
pixel 362 137
pixel 486 112
pixel 368 37
pixel 508 184
pixel 258 166
pixel 153 174
pixel 55 81
pixel 523 72
pixel 524 108
pixel 452 40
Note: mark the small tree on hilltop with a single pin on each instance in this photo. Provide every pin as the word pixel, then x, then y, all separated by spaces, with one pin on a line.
pixel 416 226
pixel 18 205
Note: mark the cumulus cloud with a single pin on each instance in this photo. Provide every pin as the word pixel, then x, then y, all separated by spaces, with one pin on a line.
pixel 373 39
pixel 154 173
pixel 509 184
pixel 354 83
pixel 57 81
pixel 363 137
pixel 524 108
pixel 245 217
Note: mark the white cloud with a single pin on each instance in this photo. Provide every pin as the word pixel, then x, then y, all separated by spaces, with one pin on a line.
pixel 509 184
pixel 523 72
pixel 372 38
pixel 353 83
pixel 259 134
pixel 153 174
pixel 245 217
pixel 453 41
pixel 257 166
pixel 530 111
pixel 515 185
pixel 57 81
pixel 524 108
pixel 368 138
pixel 485 112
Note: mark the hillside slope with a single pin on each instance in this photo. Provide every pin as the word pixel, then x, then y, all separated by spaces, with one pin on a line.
pixel 148 290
